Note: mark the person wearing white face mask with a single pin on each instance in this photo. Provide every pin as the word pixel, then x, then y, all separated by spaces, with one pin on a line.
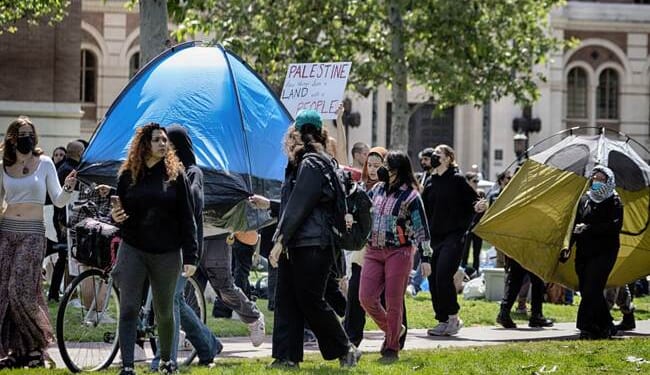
pixel 596 233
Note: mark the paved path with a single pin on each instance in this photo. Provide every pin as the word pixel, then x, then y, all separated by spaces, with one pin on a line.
pixel 240 347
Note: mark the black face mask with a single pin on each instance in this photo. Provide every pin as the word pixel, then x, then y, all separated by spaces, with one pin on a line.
pixel 382 175
pixel 435 161
pixel 25 145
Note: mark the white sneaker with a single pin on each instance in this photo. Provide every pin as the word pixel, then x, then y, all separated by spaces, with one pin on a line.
pixel 410 291
pixel 95 317
pixel 438 330
pixel 76 303
pixel 235 316
pixel 256 330
pixel 453 326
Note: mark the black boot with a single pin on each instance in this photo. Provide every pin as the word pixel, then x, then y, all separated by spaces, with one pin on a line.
pixel 538 321
pixel 504 319
pixel 628 323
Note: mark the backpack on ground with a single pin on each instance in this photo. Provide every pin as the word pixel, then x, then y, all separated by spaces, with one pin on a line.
pixel 350 199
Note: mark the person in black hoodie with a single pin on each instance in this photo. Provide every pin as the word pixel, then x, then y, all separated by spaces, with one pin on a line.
pixel 199 335
pixel 596 233
pixel 450 203
pixel 156 219
pixel 303 248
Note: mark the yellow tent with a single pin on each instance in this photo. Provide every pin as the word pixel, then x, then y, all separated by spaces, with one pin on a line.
pixel 533 218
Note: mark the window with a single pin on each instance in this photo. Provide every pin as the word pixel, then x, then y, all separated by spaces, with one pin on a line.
pixel 577 94
pixel 88 77
pixel 134 64
pixel 607 95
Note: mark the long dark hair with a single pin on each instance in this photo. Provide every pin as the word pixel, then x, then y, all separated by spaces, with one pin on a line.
pixel 11 138
pixel 400 162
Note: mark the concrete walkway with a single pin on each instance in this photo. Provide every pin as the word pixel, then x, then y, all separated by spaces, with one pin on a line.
pixel 240 347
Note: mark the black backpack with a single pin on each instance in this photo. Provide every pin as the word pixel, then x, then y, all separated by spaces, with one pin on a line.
pixel 350 198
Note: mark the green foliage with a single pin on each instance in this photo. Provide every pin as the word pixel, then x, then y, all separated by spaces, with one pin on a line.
pixel 33 11
pixel 461 51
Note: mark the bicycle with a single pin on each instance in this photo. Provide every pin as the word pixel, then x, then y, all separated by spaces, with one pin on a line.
pixel 87 323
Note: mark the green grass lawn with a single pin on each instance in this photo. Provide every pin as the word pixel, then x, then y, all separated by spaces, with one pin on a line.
pixel 420 314
pixel 619 356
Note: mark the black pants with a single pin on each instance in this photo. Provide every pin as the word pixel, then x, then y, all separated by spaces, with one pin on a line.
pixel 355 316
pixel 475 242
pixel 593 268
pixel 513 282
pixel 300 299
pixel 59 268
pixel 447 253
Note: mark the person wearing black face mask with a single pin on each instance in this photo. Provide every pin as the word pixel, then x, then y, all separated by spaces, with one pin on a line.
pixel 26 177
pixel 450 203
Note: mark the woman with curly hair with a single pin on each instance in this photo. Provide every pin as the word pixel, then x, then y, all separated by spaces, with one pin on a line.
pixel 156 220
pixel 26 176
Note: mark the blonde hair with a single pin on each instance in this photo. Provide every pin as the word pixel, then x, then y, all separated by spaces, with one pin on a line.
pixel 450 153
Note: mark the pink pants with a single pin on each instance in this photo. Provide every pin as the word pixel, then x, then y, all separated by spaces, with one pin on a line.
pixel 386 270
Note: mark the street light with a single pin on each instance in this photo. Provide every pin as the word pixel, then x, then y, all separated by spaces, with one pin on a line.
pixel 521 144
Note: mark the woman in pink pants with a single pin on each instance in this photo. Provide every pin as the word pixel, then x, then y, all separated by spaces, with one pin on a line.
pixel 399 226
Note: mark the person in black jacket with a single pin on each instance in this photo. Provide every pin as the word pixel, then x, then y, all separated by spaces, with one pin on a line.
pixel 156 220
pixel 515 275
pixel 597 226
pixel 303 248
pixel 450 204
pixel 205 343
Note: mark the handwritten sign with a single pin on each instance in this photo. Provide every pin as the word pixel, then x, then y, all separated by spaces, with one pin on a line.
pixel 318 86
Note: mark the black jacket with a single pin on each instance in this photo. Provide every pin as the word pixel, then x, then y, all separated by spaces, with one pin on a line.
pixel 306 207
pixel 604 222
pixel 185 152
pixel 449 204
pixel 161 217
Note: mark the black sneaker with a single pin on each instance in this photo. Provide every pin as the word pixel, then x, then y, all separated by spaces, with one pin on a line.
pixel 506 321
pixel 127 371
pixel 351 358
pixel 283 364
pixel 539 321
pixel 388 356
pixel 167 368
pixel 628 323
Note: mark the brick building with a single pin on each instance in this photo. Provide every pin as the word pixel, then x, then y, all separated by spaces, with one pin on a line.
pixel 66 77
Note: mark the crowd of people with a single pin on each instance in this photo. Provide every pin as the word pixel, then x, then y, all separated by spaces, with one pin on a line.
pixel 421 228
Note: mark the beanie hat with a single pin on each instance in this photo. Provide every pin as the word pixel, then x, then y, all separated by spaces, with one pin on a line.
pixel 308 116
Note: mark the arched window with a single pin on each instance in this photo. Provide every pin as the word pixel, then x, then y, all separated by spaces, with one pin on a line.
pixel 88 87
pixel 607 95
pixel 134 64
pixel 577 94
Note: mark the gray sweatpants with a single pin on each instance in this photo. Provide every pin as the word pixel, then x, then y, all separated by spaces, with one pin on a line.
pixel 620 296
pixel 217 263
pixel 130 273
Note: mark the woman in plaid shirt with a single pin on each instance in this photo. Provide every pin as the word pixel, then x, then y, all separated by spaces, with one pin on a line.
pixel 399 227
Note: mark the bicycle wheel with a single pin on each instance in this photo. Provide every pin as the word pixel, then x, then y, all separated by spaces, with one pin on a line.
pixel 195 299
pixel 87 322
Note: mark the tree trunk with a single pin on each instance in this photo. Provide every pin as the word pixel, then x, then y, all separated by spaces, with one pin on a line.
pixel 399 136
pixel 154 35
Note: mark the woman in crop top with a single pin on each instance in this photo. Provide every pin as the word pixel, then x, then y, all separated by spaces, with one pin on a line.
pixel 26 176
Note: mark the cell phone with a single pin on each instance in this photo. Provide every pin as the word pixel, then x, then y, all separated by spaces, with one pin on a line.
pixel 115 201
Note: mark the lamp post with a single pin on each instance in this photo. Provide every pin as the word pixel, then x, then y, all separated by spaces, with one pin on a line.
pixel 522 126
pixel 520 141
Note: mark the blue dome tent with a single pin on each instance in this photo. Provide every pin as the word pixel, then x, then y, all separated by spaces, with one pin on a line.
pixel 235 121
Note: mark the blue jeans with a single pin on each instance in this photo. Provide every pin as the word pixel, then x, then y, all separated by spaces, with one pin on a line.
pixel 207 345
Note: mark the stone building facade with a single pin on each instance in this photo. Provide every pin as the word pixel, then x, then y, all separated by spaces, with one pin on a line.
pixel 67 76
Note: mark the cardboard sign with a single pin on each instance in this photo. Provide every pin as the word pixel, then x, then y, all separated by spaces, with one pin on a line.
pixel 318 86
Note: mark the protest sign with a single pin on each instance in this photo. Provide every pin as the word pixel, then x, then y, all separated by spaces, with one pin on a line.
pixel 318 86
